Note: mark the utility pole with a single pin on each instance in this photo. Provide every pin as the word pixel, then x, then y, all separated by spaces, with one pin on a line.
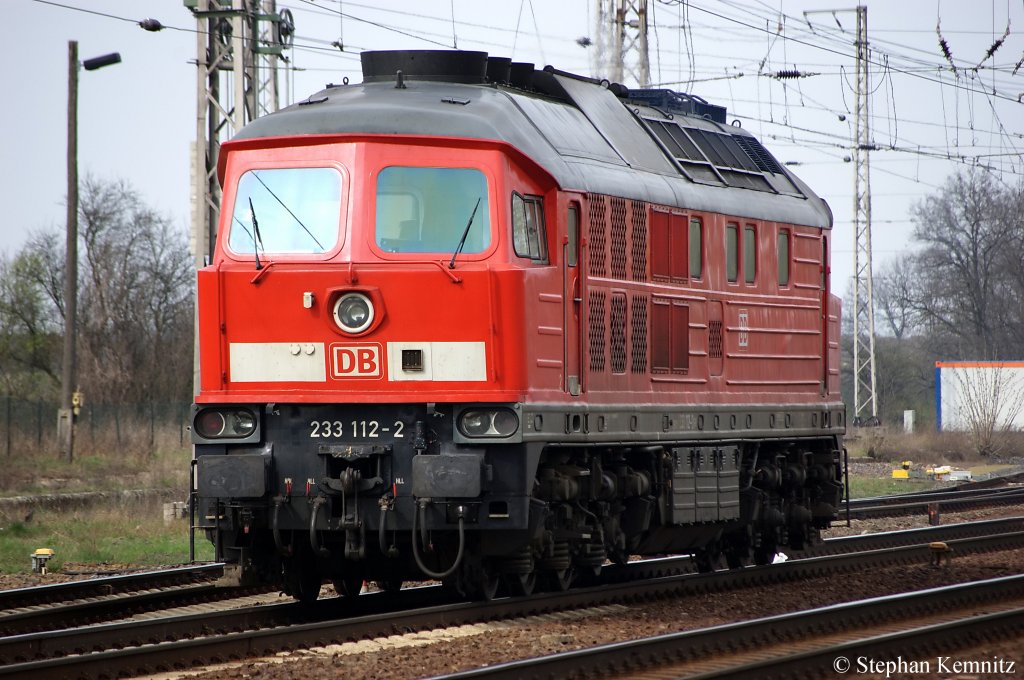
pixel 622 42
pixel 864 385
pixel 65 417
pixel 70 399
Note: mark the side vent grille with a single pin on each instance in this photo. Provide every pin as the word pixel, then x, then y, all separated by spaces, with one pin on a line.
pixel 618 333
pixel 715 339
pixel 598 238
pixel 618 233
pixel 596 323
pixel 639 250
pixel 638 335
pixel 757 153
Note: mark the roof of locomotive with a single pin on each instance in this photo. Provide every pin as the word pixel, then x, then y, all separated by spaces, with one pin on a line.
pixel 589 135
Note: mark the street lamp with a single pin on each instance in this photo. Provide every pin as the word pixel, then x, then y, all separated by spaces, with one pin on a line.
pixel 65 416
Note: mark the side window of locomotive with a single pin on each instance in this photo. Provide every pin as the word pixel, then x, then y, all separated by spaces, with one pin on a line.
pixel 696 249
pixel 286 211
pixel 732 253
pixel 572 249
pixel 749 254
pixel 783 254
pixel 824 263
pixel 528 235
pixel 429 210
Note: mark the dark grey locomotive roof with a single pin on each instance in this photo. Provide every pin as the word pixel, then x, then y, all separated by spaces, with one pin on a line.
pixel 579 130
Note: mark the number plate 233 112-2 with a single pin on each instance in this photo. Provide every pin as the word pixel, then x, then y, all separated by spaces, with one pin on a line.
pixel 356 429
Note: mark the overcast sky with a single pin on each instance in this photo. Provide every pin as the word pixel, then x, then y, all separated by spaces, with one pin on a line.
pixel 137 119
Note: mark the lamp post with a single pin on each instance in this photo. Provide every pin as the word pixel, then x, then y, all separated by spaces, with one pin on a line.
pixel 66 415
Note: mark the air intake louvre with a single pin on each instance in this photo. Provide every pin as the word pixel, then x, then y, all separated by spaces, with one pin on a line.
pixel 639 237
pixel 758 154
pixel 596 322
pixel 638 336
pixel 715 339
pixel 598 230
pixel 618 238
pixel 618 333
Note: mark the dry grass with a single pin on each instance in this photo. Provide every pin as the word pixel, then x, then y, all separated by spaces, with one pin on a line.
pixel 102 462
pixel 928 448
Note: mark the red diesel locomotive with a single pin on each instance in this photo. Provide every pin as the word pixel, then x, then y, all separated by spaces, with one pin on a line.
pixel 473 321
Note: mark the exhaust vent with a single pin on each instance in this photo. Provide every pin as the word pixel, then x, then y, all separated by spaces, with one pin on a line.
pixel 522 75
pixel 499 70
pixel 440 65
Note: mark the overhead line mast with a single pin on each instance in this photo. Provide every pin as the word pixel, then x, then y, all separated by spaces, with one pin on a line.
pixel 622 41
pixel 865 401
pixel 238 46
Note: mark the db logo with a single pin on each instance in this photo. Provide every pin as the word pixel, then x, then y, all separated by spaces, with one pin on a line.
pixel 356 361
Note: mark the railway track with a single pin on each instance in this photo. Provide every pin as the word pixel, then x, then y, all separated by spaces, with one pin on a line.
pixel 948 501
pixel 108 585
pixel 94 602
pixel 177 642
pixel 823 641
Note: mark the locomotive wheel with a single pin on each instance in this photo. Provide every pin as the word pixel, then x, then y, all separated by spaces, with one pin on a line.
pixel 486 586
pixel 560 580
pixel 390 585
pixel 303 584
pixel 350 584
pixel 737 557
pixel 521 584
pixel 708 559
pixel 764 554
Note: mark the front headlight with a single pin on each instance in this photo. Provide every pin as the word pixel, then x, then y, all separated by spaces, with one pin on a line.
pixel 488 423
pixel 224 423
pixel 353 312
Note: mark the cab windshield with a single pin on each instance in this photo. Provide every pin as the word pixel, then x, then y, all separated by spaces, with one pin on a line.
pixel 427 210
pixel 286 211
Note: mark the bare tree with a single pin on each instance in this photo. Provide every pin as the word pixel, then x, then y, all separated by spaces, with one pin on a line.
pixel 135 304
pixel 963 230
pixel 894 295
pixel 136 296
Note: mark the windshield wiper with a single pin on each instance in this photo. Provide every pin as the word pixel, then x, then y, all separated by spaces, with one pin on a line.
pixel 257 240
pixel 465 233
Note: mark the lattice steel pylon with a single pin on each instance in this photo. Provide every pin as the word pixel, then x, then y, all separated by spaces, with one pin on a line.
pixel 865 399
pixel 238 46
pixel 622 42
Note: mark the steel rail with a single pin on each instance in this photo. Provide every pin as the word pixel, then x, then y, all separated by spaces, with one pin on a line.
pixel 953 504
pixel 107 585
pixel 120 606
pixel 718 642
pixel 931 496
